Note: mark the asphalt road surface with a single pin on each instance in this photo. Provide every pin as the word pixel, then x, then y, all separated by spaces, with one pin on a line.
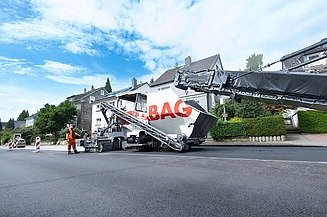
pixel 207 181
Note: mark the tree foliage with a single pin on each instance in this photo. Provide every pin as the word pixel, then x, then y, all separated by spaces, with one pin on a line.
pixel 108 86
pixel 5 136
pixel 243 109
pixel 11 124
pixel 24 114
pixel 52 119
pixel 254 62
pixel 0 125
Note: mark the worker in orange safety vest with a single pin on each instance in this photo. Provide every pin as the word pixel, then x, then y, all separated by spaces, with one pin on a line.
pixel 71 139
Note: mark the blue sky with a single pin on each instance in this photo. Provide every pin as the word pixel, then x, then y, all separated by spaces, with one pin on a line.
pixel 51 49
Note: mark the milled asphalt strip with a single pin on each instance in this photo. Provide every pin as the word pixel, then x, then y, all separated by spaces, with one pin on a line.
pixel 191 157
pixel 215 158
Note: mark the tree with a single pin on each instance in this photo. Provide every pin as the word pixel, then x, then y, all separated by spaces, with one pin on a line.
pixel 151 81
pixel 243 109
pixel 24 114
pixel 254 62
pixel 0 125
pixel 11 124
pixel 52 119
pixel 108 86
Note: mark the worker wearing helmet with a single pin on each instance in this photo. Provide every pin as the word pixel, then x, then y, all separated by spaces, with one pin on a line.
pixel 71 139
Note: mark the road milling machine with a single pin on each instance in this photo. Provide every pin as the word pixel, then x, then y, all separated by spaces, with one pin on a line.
pixel 162 120
pixel 159 120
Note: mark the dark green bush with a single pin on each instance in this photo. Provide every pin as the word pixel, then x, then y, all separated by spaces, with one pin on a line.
pixel 5 136
pixel 312 121
pixel 264 126
pixel 225 130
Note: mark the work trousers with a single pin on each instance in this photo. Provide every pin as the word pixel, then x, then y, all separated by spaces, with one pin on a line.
pixel 71 144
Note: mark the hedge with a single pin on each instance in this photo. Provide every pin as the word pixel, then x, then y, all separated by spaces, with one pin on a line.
pixel 226 130
pixel 264 126
pixel 312 121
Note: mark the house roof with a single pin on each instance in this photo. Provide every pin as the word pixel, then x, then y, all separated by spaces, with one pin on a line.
pixel 78 97
pixel 113 94
pixel 206 63
pixel 121 92
pixel 307 50
pixel 32 116
pixel 138 86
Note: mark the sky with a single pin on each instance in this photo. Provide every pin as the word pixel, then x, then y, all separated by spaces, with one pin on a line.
pixel 52 49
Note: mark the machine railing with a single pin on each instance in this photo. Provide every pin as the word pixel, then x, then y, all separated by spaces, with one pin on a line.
pixel 154 132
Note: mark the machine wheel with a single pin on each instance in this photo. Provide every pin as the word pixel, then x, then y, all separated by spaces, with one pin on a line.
pixel 187 148
pixel 117 144
pixel 100 148
pixel 87 150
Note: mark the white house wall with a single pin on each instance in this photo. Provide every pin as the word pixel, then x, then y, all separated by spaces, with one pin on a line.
pixel 29 122
pixel 98 120
pixel 97 114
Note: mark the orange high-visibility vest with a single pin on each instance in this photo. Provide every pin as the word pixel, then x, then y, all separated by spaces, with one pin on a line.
pixel 70 134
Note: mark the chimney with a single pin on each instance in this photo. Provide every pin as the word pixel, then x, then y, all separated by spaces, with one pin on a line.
pixel 92 88
pixel 188 61
pixel 134 83
pixel 84 90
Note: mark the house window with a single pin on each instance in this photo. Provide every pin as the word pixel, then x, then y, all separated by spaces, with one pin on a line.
pixel 112 103
pixel 98 108
pixel 98 122
pixel 102 92
pixel 92 99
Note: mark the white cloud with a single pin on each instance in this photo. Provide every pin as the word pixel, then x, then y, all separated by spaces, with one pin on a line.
pixel 61 68
pixel 97 80
pixel 80 48
pixel 24 71
pixel 163 32
pixel 14 65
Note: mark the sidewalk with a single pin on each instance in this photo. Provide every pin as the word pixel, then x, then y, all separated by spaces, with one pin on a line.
pixel 308 140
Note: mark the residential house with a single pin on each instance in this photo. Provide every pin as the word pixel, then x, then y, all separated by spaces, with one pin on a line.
pixel 19 124
pixel 315 51
pixel 165 81
pixel 30 120
pixel 83 103
pixel 98 120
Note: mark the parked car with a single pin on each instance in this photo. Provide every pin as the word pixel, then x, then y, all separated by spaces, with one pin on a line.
pixel 18 141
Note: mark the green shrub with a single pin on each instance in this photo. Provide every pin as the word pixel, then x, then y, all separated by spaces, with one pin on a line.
pixel 265 126
pixel 5 136
pixel 312 121
pixel 225 130
pixel 235 120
